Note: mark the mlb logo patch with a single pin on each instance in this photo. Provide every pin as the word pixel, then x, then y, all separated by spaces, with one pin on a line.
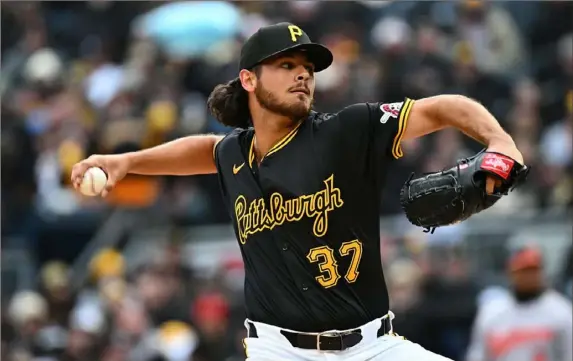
pixel 391 110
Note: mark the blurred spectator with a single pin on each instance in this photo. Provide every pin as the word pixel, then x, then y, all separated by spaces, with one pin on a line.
pixel 447 324
pixel 211 315
pixel 566 281
pixel 555 152
pixel 87 328
pixel 404 278
pixel 57 290
pixel 176 341
pixel 493 37
pixel 107 263
pixel 28 314
pixel 534 323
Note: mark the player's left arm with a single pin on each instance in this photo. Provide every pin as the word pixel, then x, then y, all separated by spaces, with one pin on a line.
pixel 432 114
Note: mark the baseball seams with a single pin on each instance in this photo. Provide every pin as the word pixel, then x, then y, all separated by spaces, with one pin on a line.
pixel 91 180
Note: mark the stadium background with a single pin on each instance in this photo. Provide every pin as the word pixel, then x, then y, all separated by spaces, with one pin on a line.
pixel 153 271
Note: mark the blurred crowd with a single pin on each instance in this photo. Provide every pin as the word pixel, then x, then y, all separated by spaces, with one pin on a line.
pixel 159 311
pixel 163 310
pixel 86 77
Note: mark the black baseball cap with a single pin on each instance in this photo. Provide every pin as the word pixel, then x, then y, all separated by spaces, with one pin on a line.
pixel 279 38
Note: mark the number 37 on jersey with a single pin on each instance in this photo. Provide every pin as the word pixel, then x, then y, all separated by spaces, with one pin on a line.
pixel 326 258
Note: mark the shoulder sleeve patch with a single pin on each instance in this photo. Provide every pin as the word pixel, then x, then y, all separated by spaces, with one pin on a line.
pixel 390 110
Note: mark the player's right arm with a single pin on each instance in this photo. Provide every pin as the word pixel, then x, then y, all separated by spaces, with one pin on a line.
pixel 190 155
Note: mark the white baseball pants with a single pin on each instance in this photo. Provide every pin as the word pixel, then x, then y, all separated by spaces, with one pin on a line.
pixel 271 345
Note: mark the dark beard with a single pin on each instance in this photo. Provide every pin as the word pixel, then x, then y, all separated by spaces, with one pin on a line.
pixel 268 101
pixel 527 296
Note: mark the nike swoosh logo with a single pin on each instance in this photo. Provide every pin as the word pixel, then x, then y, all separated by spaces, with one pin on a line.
pixel 237 169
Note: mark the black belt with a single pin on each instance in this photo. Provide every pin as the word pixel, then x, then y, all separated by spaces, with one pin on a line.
pixel 326 341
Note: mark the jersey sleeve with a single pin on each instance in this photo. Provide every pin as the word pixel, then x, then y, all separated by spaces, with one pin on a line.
pixel 220 142
pixel 380 125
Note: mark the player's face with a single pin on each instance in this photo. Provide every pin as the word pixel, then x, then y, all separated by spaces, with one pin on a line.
pixel 527 280
pixel 286 86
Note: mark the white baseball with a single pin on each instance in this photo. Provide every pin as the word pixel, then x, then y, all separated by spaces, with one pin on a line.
pixel 93 182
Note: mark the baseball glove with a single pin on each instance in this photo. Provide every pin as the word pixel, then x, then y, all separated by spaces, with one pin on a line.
pixel 453 195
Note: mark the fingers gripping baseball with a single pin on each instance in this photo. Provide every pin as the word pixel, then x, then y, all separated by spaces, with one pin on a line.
pixel 110 184
pixel 78 171
pixel 115 167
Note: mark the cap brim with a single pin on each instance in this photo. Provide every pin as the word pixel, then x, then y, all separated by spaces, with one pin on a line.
pixel 317 54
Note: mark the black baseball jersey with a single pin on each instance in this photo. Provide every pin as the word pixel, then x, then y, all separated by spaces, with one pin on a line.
pixel 307 217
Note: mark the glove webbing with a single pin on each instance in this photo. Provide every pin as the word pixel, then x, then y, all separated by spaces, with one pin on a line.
pixel 457 189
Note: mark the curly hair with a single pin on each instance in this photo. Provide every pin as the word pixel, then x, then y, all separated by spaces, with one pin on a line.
pixel 229 103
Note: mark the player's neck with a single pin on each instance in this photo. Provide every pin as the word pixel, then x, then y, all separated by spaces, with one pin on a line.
pixel 270 128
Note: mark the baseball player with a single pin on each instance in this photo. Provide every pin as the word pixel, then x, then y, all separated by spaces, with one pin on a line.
pixel 533 324
pixel 303 191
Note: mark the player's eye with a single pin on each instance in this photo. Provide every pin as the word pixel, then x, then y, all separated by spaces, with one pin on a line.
pixel 287 65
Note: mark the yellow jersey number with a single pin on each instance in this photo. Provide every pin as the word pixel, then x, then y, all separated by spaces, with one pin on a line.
pixel 328 266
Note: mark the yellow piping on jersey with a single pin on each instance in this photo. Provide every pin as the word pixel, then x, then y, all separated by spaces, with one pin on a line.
pixel 215 149
pixel 281 144
pixel 252 152
pixel 402 123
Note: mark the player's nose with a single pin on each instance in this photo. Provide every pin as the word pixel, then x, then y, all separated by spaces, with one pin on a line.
pixel 303 75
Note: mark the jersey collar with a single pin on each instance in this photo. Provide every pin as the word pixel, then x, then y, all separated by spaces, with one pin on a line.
pixel 278 146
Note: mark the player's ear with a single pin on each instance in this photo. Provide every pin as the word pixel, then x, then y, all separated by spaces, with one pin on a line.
pixel 248 80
